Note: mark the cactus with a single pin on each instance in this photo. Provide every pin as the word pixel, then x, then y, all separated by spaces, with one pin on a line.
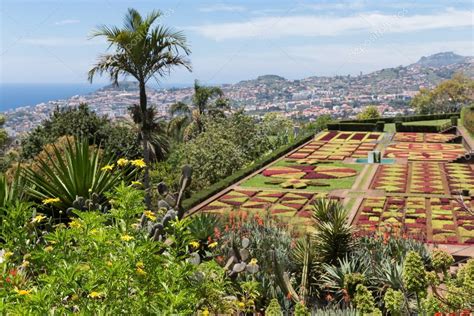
pixel 170 204
pixel 239 262
pixel 83 204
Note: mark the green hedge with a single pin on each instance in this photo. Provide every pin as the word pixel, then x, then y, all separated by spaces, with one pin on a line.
pixel 359 127
pixel 200 196
pixel 400 127
pixel 467 118
pixel 410 118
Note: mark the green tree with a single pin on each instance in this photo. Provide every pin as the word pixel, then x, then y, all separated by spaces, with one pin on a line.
pixel 78 121
pixel 449 96
pixel 370 112
pixel 188 119
pixel 142 50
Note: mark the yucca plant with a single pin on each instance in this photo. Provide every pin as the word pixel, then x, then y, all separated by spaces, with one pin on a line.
pixel 333 234
pixel 11 191
pixel 79 171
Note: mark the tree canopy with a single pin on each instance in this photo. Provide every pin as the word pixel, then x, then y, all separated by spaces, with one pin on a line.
pixel 448 96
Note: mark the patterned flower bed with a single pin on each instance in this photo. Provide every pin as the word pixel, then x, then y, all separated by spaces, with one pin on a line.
pixel 425 151
pixel 460 176
pixel 317 150
pixel 423 137
pixel 391 178
pixel 356 137
pixel 427 177
pixel 293 208
pixel 451 223
pixel 320 177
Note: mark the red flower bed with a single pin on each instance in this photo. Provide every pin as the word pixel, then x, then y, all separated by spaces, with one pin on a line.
pixel 358 136
pixel 328 136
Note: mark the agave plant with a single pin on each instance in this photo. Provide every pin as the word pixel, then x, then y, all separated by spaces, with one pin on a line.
pixel 80 171
pixel 203 225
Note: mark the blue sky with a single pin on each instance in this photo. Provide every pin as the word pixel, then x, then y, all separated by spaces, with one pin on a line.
pixel 47 41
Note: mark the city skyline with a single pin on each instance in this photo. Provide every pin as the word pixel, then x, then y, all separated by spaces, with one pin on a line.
pixel 233 41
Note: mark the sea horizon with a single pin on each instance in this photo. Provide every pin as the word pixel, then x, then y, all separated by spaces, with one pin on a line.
pixel 16 95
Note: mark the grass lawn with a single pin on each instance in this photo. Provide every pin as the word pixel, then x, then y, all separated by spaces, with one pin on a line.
pixel 258 181
pixel 390 128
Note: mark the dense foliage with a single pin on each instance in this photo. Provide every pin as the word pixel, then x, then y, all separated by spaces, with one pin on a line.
pixel 369 112
pixel 82 122
pixel 448 96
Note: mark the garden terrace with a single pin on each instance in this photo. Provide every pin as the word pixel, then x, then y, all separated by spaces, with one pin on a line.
pixel 417 194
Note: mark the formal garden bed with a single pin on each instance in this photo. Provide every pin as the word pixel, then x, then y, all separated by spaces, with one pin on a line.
pixel 425 151
pixel 423 137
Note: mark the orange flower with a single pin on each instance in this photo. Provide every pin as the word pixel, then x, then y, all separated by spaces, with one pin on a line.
pixel 289 296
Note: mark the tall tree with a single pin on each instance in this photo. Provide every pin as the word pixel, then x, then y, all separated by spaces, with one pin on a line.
pixel 143 50
pixel 188 119
pixel 370 112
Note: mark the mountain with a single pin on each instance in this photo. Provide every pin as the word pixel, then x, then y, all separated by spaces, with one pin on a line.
pixel 441 59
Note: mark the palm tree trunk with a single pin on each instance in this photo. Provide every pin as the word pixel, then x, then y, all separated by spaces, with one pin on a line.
pixel 145 138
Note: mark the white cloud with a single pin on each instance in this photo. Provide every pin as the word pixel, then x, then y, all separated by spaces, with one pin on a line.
pixel 66 22
pixel 318 25
pixel 223 8
pixel 60 41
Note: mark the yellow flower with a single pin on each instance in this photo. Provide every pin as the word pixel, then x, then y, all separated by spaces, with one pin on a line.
pixel 139 163
pixel 253 261
pixel 95 294
pixel 107 167
pixel 48 249
pixel 126 237
pixel 75 224
pixel 140 264
pixel 94 231
pixel 23 292
pixel 7 255
pixel 122 162
pixel 25 264
pixel 51 200
pixel 38 218
pixel 140 271
pixel 137 183
pixel 194 244
pixel 241 305
pixel 213 245
pixel 109 263
pixel 205 312
pixel 150 215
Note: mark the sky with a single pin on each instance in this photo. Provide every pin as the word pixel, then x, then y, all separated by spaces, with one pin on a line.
pixel 49 41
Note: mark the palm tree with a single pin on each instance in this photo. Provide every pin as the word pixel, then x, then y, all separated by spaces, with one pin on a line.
pixel 189 119
pixel 142 50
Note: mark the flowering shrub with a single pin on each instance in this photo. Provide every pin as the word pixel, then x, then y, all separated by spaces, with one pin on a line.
pixel 101 263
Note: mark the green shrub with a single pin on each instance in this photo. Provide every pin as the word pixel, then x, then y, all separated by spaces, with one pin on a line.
pixel 202 195
pixel 103 264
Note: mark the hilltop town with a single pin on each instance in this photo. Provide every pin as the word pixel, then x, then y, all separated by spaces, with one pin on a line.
pixel 339 96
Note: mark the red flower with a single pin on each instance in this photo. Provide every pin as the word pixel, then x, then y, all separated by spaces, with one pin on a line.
pixel 226 228
pixel 329 298
pixel 217 233
pixel 289 296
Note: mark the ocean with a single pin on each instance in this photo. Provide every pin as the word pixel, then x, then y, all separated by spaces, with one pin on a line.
pixel 14 95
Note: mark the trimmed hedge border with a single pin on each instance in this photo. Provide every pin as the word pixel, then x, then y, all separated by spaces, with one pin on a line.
pixel 411 118
pixel 201 196
pixel 400 127
pixel 359 127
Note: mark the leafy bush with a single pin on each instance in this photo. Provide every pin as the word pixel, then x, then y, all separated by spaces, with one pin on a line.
pixel 81 122
pixel 102 263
